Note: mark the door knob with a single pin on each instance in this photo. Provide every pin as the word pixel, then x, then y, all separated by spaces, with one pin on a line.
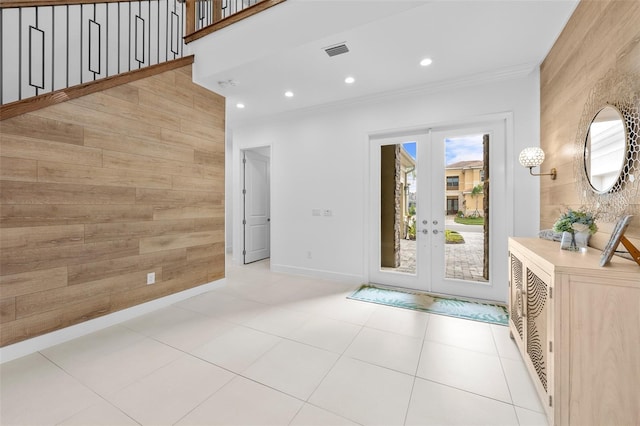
pixel 435 231
pixel 425 231
pixel 435 222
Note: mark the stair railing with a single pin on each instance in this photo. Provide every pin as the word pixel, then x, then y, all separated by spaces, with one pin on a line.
pixel 206 16
pixel 46 46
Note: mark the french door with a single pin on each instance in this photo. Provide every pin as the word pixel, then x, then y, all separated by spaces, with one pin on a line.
pixel 438 210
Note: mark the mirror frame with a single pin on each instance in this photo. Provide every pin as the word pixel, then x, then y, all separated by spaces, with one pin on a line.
pixel 616 184
pixel 621 91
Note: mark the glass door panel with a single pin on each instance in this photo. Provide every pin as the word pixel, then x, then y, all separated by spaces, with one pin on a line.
pixel 398 246
pixel 467 209
pixel 398 207
pixel 462 210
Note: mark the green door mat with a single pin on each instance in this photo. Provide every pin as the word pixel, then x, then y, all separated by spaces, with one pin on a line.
pixel 418 301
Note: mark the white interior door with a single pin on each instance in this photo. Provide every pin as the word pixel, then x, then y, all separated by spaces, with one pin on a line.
pixel 256 221
pixel 430 262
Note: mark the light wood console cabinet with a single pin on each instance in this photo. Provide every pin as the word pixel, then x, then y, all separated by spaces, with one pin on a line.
pixel 577 326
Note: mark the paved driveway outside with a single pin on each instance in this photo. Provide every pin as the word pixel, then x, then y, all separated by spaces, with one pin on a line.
pixel 463 261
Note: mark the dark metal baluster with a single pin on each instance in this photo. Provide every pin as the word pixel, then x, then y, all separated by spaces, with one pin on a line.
pixel 129 37
pixel 53 48
pixel 90 45
pixel 31 53
pixel 149 15
pixel 67 6
pixel 106 56
pixel 158 39
pixel 140 15
pixel 20 53
pixel 81 44
pixel 35 31
pixel 198 15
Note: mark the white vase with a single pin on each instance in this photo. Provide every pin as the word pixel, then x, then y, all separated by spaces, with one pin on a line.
pixel 574 241
pixel 582 240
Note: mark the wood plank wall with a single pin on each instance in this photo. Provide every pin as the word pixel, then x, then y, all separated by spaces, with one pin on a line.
pixel 600 36
pixel 98 191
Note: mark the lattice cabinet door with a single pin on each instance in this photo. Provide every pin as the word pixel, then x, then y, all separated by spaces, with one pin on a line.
pixel 531 322
pixel 516 299
pixel 538 329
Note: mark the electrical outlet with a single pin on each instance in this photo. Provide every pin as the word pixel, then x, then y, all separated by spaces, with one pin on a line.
pixel 327 212
pixel 151 278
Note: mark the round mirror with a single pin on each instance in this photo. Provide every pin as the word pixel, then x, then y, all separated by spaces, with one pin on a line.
pixel 605 149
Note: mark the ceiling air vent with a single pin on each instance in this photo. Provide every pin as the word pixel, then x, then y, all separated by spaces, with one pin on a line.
pixel 337 49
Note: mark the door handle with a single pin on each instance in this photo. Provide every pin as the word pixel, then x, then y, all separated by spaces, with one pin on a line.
pixel 425 231
pixel 435 231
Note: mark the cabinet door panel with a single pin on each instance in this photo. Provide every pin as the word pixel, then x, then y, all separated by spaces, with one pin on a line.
pixel 537 322
pixel 605 341
pixel 516 290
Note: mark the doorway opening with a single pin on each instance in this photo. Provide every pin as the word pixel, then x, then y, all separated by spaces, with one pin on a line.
pixel 256 204
pixel 466 204
pixel 431 209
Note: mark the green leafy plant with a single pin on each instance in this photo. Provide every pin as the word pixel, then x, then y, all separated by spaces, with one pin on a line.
pixel 412 230
pixel 477 190
pixel 576 221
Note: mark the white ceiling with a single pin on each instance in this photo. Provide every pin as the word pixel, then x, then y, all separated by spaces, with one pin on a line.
pixel 282 49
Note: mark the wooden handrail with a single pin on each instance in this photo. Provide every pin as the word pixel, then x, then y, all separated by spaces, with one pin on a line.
pixel 5 4
pixel 38 102
pixel 192 35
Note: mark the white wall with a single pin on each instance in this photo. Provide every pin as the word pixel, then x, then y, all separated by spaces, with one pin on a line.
pixel 320 161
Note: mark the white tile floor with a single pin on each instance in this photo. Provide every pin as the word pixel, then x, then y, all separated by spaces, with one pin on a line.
pixel 273 349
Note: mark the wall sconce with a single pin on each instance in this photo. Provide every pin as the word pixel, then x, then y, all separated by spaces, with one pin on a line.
pixel 532 157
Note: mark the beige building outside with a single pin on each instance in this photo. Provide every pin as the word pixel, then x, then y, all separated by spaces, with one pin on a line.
pixel 461 179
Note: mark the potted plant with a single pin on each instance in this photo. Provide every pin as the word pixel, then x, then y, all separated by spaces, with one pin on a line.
pixel 576 227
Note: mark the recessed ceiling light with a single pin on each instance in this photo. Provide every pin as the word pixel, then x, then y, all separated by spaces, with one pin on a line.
pixel 288 94
pixel 349 80
pixel 426 62
pixel 239 105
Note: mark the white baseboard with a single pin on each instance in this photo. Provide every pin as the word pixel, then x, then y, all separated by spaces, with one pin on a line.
pixel 39 343
pixel 318 273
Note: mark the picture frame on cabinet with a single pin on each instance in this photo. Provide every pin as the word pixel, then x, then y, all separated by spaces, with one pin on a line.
pixel 614 241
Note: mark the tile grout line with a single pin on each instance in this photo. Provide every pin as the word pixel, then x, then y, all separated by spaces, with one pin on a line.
pixel 504 373
pixel 415 373
pixel 89 388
